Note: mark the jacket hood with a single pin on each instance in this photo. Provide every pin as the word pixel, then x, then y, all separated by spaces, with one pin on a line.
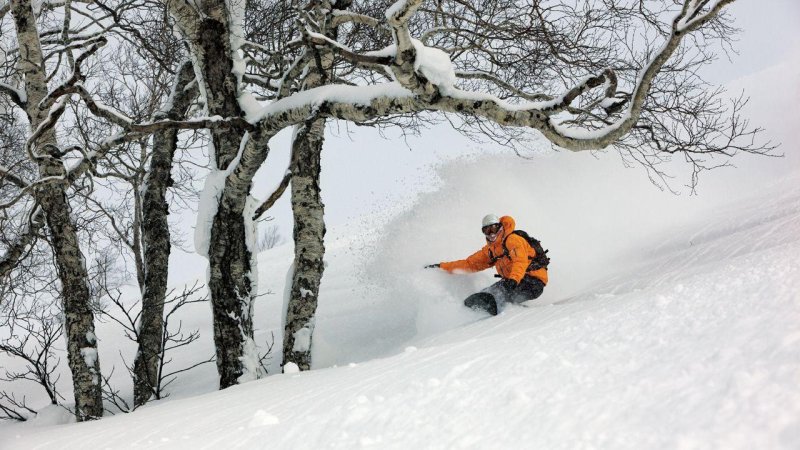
pixel 508 225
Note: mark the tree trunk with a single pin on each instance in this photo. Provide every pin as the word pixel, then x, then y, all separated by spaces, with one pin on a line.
pixel 156 242
pixel 78 317
pixel 230 280
pixel 208 33
pixel 233 272
pixel 231 292
pixel 309 211
pixel 52 197
pixel 309 233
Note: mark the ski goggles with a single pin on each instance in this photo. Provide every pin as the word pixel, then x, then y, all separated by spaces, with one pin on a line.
pixel 492 229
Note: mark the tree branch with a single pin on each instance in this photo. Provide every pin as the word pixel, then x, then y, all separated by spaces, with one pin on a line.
pixel 275 196
pixel 7 175
pixel 18 248
pixel 341 17
pixel 17 96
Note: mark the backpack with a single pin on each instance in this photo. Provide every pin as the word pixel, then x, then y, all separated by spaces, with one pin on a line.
pixel 540 261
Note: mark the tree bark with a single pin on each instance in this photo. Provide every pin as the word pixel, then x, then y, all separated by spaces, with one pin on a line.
pixel 78 317
pixel 308 209
pixel 156 243
pixel 231 280
pixel 231 292
pixel 309 233
pixel 233 272
pixel 52 197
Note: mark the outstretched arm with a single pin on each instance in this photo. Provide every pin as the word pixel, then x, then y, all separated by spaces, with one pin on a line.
pixel 474 263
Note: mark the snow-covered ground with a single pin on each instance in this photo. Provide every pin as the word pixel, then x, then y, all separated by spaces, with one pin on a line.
pixel 669 323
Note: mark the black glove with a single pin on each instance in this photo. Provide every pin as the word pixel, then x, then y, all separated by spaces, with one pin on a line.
pixel 432 266
pixel 509 284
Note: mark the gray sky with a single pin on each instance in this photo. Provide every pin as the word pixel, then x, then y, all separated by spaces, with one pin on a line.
pixel 770 33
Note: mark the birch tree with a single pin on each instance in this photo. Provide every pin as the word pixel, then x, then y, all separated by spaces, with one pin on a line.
pixel 147 78
pixel 130 200
pixel 156 240
pixel 307 206
pixel 51 206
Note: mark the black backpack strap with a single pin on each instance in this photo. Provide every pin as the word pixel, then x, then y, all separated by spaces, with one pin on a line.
pixel 493 259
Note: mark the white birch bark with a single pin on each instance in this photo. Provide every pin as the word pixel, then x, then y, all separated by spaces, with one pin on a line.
pixel 76 298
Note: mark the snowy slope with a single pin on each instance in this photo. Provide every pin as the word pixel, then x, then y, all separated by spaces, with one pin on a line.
pixel 670 323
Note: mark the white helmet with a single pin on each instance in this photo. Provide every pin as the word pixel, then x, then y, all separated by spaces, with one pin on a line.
pixel 491 227
pixel 490 219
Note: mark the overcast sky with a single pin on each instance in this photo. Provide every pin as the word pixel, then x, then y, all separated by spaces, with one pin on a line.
pixel 770 34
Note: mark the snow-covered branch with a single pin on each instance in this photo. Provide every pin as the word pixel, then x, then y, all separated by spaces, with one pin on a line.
pixel 535 115
pixel 405 57
pixel 694 14
pixel 341 17
pixel 17 95
pixel 276 194
pixel 17 249
pixel 145 128
pixel 6 174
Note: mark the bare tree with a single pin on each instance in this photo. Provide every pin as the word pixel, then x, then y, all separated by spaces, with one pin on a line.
pixel 32 336
pixel 50 111
pixel 172 336
pixel 309 211
pixel 156 243
pixel 147 81
pixel 270 237
pixel 50 203
pixel 214 45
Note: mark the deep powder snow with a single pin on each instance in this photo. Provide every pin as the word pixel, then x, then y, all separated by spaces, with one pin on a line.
pixel 682 334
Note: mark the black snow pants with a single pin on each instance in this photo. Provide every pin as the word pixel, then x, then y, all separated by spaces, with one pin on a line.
pixel 495 296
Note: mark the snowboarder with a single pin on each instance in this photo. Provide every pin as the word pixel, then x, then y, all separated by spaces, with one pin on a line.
pixel 514 255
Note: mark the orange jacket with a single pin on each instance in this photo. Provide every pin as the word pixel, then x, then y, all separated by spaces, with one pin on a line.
pixel 519 257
